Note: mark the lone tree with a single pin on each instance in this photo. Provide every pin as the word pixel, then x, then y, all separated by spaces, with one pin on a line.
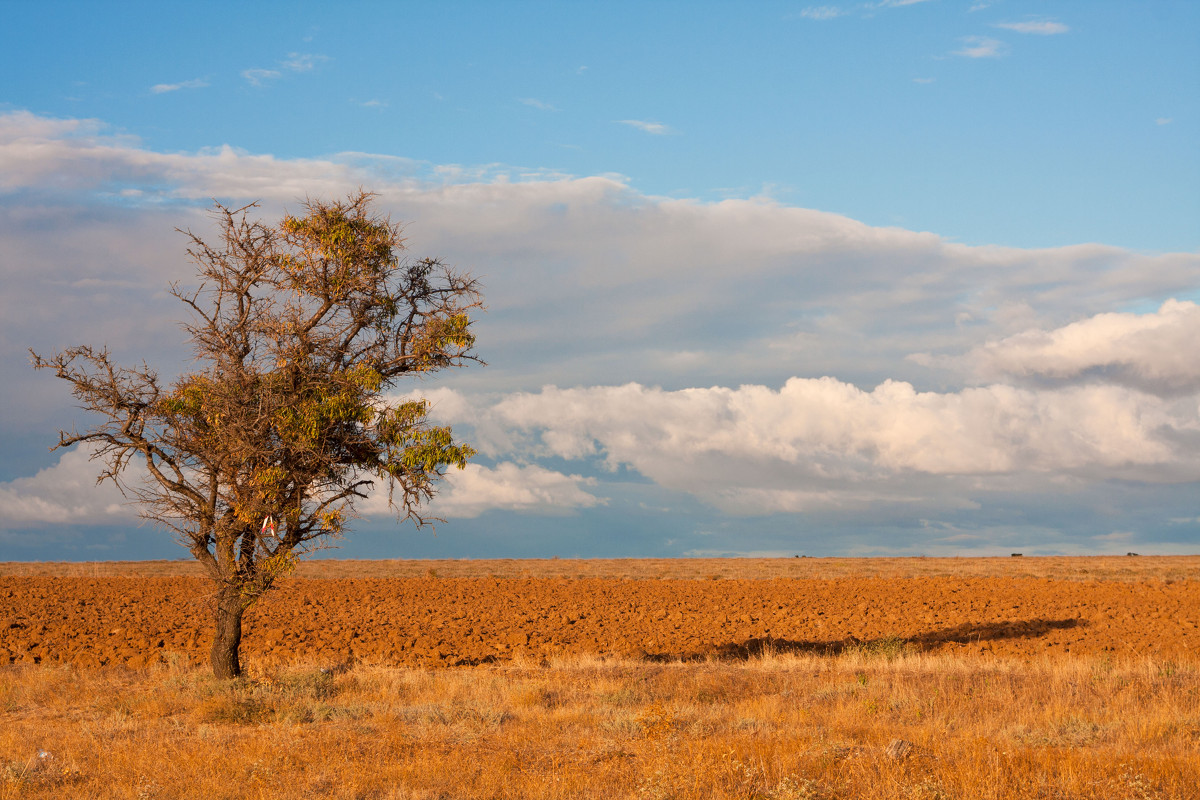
pixel 260 455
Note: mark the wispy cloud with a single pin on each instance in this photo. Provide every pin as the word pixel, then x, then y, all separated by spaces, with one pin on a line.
pixel 924 80
pixel 195 83
pixel 866 9
pixel 981 47
pixel 1038 27
pixel 302 62
pixel 656 128
pixel 533 102
pixel 295 62
pixel 1163 121
pixel 260 77
pixel 374 104
pixel 823 12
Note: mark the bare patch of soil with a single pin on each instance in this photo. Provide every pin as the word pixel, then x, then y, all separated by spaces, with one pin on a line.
pixel 443 621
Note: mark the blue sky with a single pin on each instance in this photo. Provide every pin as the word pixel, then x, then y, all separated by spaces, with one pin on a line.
pixel 833 278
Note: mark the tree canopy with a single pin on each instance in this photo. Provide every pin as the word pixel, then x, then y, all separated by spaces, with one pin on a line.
pixel 300 330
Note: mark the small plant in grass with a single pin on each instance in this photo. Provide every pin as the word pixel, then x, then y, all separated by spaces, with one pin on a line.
pixel 235 708
pixel 42 770
pixel 656 786
pixel 318 684
pixel 657 721
pixel 887 649
pixel 750 780
pixel 1138 787
pixel 927 790
pixel 147 788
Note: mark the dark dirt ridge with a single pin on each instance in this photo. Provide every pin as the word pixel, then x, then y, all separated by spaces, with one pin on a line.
pixel 439 621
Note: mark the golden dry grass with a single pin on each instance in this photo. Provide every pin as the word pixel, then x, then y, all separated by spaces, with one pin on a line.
pixel 1094 568
pixel 775 726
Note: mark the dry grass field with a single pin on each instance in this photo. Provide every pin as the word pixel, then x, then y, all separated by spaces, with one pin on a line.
pixel 1107 568
pixel 786 678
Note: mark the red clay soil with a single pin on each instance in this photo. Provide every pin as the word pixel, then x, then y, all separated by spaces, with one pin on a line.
pixel 429 621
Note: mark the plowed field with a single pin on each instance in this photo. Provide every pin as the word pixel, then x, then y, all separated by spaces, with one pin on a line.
pixel 135 621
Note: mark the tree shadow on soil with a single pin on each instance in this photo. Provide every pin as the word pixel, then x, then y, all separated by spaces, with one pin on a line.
pixel 967 633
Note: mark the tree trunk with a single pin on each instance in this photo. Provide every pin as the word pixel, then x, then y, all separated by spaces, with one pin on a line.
pixel 228 636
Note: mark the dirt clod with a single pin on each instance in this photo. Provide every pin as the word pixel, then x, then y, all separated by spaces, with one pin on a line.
pixel 898 749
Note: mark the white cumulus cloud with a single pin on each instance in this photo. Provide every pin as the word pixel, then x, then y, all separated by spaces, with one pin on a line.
pixel 512 487
pixel 65 494
pixel 1155 352
pixel 471 491
pixel 823 442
